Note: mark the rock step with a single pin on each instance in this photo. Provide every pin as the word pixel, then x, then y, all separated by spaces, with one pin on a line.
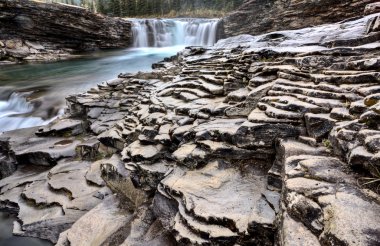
pixel 74 171
pixel 208 87
pixel 321 102
pixel 261 79
pixel 308 92
pixel 310 185
pixel 185 235
pixel 369 90
pixel 277 113
pixel 198 93
pixel 292 104
pixel 366 77
pixel 259 116
pixel 40 193
pixel 35 219
pixel 213 79
pixel 311 85
pixel 205 230
pixel 101 223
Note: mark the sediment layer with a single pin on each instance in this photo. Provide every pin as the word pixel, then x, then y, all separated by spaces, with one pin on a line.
pixel 260 140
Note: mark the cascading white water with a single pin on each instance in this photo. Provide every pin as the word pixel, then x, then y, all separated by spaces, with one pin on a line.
pixel 16 104
pixel 13 114
pixel 172 32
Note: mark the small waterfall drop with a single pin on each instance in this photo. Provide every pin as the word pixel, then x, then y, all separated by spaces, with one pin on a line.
pixel 14 114
pixel 16 104
pixel 172 32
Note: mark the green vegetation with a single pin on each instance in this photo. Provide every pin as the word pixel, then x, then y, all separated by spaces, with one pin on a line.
pixel 158 8
pixel 327 143
pixel 167 8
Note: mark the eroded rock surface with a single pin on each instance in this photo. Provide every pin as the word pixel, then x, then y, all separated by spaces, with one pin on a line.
pixel 262 16
pixel 258 140
pixel 31 30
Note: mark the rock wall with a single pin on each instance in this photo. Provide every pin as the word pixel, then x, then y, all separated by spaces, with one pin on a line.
pixel 261 16
pixel 35 30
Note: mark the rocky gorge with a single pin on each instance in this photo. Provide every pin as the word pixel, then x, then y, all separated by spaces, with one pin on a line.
pixel 38 31
pixel 258 140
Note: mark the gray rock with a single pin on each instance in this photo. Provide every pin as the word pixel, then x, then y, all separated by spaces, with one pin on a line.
pixel 318 125
pixel 98 225
pixel 62 127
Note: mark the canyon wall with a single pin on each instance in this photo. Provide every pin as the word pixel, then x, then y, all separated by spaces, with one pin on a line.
pixel 35 30
pixel 261 16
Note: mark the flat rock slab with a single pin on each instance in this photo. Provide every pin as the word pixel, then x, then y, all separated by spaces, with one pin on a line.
pixel 24 174
pixel 41 222
pixel 70 177
pixel 45 151
pixel 41 193
pixel 223 195
pixel 94 175
pixel 95 227
pixel 325 198
pixel 62 127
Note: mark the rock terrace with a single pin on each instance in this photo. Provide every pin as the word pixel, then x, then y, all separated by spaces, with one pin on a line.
pixel 260 140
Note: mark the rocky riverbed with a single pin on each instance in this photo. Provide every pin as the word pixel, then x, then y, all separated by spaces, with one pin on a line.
pixel 259 140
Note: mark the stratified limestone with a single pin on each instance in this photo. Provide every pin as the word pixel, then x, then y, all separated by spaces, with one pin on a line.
pixel 324 197
pixel 32 30
pixel 257 17
pixel 98 225
pixel 254 141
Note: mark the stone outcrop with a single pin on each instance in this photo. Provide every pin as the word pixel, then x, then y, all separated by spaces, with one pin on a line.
pixel 259 140
pixel 31 30
pixel 262 16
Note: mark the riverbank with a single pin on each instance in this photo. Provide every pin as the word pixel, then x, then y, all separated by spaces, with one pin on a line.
pixel 271 128
pixel 37 31
pixel 33 94
pixel 6 237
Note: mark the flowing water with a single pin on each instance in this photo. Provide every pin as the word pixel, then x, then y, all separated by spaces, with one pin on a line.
pixel 172 32
pixel 33 94
pixel 154 39
pixel 6 238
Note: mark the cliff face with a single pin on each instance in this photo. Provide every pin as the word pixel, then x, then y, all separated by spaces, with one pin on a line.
pixel 260 16
pixel 28 28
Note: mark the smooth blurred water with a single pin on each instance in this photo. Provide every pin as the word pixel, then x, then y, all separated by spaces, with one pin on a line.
pixel 171 32
pixel 55 81
pixel 7 239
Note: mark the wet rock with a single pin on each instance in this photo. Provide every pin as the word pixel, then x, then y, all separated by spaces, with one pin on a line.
pixel 62 127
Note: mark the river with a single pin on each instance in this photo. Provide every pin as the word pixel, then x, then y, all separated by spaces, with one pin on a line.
pixel 50 83
pixel 34 94
pixel 7 239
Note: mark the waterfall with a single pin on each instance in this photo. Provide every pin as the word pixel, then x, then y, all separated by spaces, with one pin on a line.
pixel 14 114
pixel 172 32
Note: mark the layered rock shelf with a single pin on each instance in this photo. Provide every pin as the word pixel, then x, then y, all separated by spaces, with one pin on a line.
pixel 262 16
pixel 259 140
pixel 37 31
